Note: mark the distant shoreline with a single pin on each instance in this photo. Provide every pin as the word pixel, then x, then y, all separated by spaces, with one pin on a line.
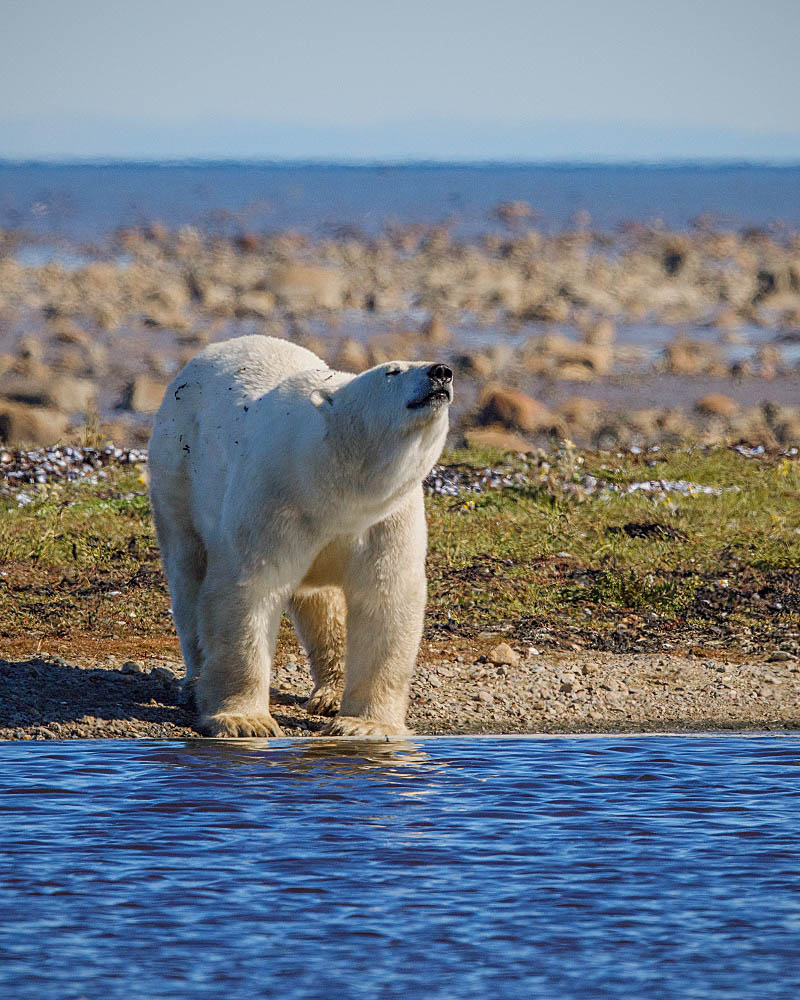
pixel 411 163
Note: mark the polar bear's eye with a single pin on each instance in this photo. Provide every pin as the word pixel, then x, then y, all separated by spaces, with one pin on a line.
pixel 393 371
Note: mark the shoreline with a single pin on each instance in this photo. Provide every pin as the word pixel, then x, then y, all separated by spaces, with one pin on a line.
pixel 48 697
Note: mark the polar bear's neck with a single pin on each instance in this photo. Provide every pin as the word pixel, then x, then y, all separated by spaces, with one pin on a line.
pixel 370 473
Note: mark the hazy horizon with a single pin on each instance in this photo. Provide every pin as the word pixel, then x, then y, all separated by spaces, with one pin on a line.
pixel 92 140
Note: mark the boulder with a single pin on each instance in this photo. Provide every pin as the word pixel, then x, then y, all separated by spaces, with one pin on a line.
pixel 62 392
pixel 600 334
pixel 300 287
pixel 255 303
pixel 717 404
pixel 512 212
pixel 692 357
pixel 504 655
pixel 143 395
pixel 497 437
pixel 512 408
pixel 581 413
pixel 436 331
pixel 352 356
pixel 23 424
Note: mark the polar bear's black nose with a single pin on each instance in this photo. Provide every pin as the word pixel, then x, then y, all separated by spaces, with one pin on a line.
pixel 440 373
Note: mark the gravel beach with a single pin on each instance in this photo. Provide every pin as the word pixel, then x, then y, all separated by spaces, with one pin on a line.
pixel 45 697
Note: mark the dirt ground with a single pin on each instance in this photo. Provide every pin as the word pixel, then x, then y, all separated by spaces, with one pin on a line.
pixel 94 692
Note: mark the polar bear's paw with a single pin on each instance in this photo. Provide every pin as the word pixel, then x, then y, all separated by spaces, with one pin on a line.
pixel 323 701
pixel 225 724
pixel 364 729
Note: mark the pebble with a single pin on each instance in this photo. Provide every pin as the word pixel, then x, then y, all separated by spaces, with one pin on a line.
pixel 504 655
pixel 162 674
pixel 780 656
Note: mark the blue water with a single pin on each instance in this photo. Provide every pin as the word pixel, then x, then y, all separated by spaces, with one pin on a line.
pixel 87 202
pixel 445 868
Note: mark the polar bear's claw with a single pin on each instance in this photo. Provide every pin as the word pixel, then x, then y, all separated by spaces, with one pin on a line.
pixel 323 701
pixel 365 729
pixel 224 725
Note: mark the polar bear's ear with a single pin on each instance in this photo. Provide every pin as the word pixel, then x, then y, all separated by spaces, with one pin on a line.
pixel 322 399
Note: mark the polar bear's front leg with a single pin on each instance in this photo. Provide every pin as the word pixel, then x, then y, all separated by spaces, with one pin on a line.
pixel 238 629
pixel 385 591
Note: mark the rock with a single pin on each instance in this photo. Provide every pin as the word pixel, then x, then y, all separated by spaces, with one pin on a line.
pixel 162 674
pixel 504 655
pixel 30 425
pixel 143 395
pixel 29 351
pixel 496 436
pixel 770 361
pixel 476 364
pixel 600 334
pixel 91 360
pixel 219 299
pixel 300 287
pixel 63 392
pixel 717 404
pixel 436 331
pixel 132 667
pixel 255 303
pixel 581 412
pixel 352 356
pixel 692 357
pixel 544 353
pixel 513 408
pixel 780 656
pixel 512 212
pixel 68 333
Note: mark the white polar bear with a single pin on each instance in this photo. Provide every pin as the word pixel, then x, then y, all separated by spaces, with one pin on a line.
pixel 278 483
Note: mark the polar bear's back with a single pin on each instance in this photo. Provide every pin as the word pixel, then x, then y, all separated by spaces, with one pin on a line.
pixel 201 424
pixel 256 364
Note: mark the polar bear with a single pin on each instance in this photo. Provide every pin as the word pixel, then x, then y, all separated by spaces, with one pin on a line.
pixel 280 484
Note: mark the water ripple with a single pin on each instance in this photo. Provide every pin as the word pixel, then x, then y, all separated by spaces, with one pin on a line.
pixel 554 867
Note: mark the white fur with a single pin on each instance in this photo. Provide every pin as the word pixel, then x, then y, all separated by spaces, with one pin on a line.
pixel 280 484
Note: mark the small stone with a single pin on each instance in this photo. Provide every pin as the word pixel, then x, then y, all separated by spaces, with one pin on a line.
pixel 132 667
pixel 780 656
pixel 162 674
pixel 504 655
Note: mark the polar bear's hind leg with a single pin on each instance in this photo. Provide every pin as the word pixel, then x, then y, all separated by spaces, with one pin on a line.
pixel 318 616
pixel 184 557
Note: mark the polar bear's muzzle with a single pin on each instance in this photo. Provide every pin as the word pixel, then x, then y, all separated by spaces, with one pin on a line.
pixel 441 391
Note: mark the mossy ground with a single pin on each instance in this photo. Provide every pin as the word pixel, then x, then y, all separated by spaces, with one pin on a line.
pixel 538 564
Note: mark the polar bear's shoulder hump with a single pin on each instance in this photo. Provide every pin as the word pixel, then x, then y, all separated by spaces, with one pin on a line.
pixel 269 354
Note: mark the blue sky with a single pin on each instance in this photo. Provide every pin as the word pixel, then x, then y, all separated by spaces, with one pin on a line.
pixel 382 79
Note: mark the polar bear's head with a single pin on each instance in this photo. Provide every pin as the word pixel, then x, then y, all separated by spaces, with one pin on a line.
pixel 391 417
pixel 397 397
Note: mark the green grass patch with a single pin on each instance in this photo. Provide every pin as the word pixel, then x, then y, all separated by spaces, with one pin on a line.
pixel 604 569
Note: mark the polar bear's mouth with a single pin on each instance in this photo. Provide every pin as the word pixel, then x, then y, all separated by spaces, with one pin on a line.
pixel 436 396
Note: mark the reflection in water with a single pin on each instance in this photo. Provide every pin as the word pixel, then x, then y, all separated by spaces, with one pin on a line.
pixel 367 758
pixel 553 867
